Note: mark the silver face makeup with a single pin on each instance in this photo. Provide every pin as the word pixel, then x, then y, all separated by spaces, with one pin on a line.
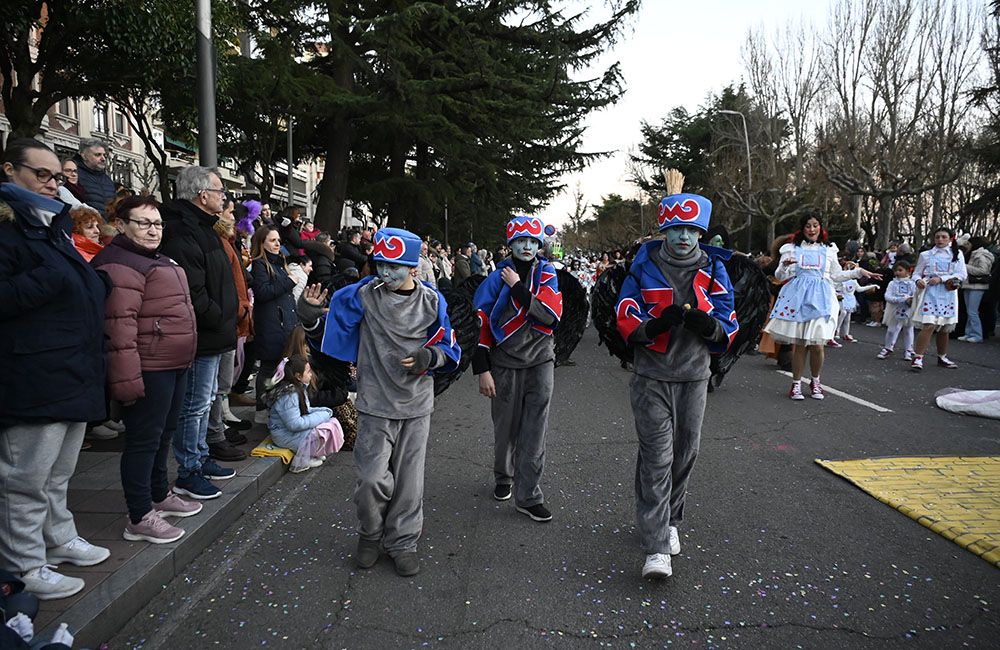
pixel 524 248
pixel 682 241
pixel 393 275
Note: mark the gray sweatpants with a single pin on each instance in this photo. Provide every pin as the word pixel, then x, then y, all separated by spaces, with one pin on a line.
pixel 36 463
pixel 668 417
pixel 389 456
pixel 520 415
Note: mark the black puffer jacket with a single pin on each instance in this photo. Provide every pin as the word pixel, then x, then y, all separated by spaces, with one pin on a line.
pixel 324 266
pixel 51 321
pixel 98 185
pixel 189 240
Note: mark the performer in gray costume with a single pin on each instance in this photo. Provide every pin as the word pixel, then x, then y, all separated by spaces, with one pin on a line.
pixel 397 330
pixel 519 306
pixel 675 308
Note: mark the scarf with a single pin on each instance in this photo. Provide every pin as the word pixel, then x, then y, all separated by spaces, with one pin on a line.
pixel 37 209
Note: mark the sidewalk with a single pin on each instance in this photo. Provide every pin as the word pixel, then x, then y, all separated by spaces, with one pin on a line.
pixel 136 571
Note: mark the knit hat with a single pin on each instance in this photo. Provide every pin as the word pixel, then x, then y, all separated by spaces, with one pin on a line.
pixel 397 246
pixel 680 209
pixel 524 226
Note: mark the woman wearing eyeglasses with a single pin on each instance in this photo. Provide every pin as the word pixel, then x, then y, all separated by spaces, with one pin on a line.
pixel 52 384
pixel 150 326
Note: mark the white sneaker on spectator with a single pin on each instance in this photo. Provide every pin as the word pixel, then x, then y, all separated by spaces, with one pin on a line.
pixel 47 584
pixel 101 432
pixel 77 551
pixel 114 426
pixel 657 566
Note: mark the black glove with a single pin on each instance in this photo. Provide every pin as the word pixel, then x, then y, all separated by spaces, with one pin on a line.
pixel 672 315
pixel 700 323
pixel 308 314
pixel 422 358
pixel 521 293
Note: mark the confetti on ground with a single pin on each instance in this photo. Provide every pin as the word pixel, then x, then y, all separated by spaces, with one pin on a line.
pixel 956 497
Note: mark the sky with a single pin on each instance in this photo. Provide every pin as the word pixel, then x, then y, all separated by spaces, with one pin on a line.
pixel 673 53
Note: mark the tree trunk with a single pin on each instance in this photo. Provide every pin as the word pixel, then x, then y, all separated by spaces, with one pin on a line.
pixel 883 229
pixel 333 187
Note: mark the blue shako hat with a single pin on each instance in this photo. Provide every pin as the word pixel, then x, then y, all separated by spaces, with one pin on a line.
pixel 396 246
pixel 523 226
pixel 685 210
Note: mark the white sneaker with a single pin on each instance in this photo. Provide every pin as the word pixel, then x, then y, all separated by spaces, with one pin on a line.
pixel 963 338
pixel 674 542
pixel 102 432
pixel 657 566
pixel 260 417
pixel 114 426
pixel 46 584
pixel 79 552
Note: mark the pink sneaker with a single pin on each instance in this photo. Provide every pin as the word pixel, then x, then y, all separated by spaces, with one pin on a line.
pixel 816 389
pixel 833 344
pixel 153 529
pixel 883 354
pixel 850 339
pixel 796 391
pixel 174 506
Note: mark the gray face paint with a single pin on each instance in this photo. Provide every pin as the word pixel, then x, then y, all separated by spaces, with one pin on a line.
pixel 524 248
pixel 393 275
pixel 682 241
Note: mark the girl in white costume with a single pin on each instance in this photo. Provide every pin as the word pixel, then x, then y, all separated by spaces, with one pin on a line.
pixel 805 313
pixel 898 311
pixel 939 273
pixel 848 305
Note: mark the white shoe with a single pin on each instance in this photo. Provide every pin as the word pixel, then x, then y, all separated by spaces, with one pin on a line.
pixel 260 417
pixel 79 552
pixel 102 432
pixel 963 338
pixel 657 566
pixel 114 426
pixel 228 417
pixel 46 584
pixel 674 542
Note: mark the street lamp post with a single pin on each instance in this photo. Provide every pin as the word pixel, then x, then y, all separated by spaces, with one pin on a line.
pixel 746 141
pixel 207 151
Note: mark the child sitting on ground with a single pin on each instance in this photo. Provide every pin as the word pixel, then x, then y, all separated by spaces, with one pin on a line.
pixel 312 432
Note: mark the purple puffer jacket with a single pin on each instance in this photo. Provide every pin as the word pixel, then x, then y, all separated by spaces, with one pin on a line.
pixel 149 321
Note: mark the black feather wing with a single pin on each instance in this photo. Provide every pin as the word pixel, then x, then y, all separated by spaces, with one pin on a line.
pixel 465 322
pixel 574 316
pixel 752 299
pixel 603 300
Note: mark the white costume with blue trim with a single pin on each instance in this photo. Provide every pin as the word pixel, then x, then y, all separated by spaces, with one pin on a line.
pixel 936 305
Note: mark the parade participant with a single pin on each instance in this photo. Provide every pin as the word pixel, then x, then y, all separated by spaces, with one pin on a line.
pixel 939 273
pixel 846 291
pixel 675 308
pixel 899 298
pixel 397 331
pixel 805 313
pixel 294 423
pixel 519 306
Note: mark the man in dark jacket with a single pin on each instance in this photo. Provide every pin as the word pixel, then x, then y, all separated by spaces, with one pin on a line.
pixel 188 239
pixel 324 265
pixel 463 269
pixel 52 382
pixel 92 165
pixel 351 250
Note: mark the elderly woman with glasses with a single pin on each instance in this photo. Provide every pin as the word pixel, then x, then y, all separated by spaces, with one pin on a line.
pixel 52 384
pixel 150 327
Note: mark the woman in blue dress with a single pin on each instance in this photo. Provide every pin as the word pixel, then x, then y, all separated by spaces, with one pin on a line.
pixel 805 313
pixel 939 273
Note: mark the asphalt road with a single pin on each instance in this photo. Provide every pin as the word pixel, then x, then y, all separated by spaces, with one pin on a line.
pixel 776 551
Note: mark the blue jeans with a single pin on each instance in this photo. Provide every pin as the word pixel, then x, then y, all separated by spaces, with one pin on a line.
pixel 973 326
pixel 190 444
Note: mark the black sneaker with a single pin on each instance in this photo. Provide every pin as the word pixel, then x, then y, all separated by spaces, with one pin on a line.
pixel 212 470
pixel 367 553
pixel 239 425
pixel 501 492
pixel 234 437
pixel 196 487
pixel 407 564
pixel 225 452
pixel 537 512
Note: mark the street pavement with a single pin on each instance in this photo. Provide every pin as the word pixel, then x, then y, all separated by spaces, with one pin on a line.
pixel 776 551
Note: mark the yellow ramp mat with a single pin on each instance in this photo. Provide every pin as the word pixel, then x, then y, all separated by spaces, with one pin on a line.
pixel 955 496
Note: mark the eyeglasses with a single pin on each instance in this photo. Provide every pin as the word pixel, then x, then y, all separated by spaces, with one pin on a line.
pixel 44 175
pixel 144 224
pixel 210 189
